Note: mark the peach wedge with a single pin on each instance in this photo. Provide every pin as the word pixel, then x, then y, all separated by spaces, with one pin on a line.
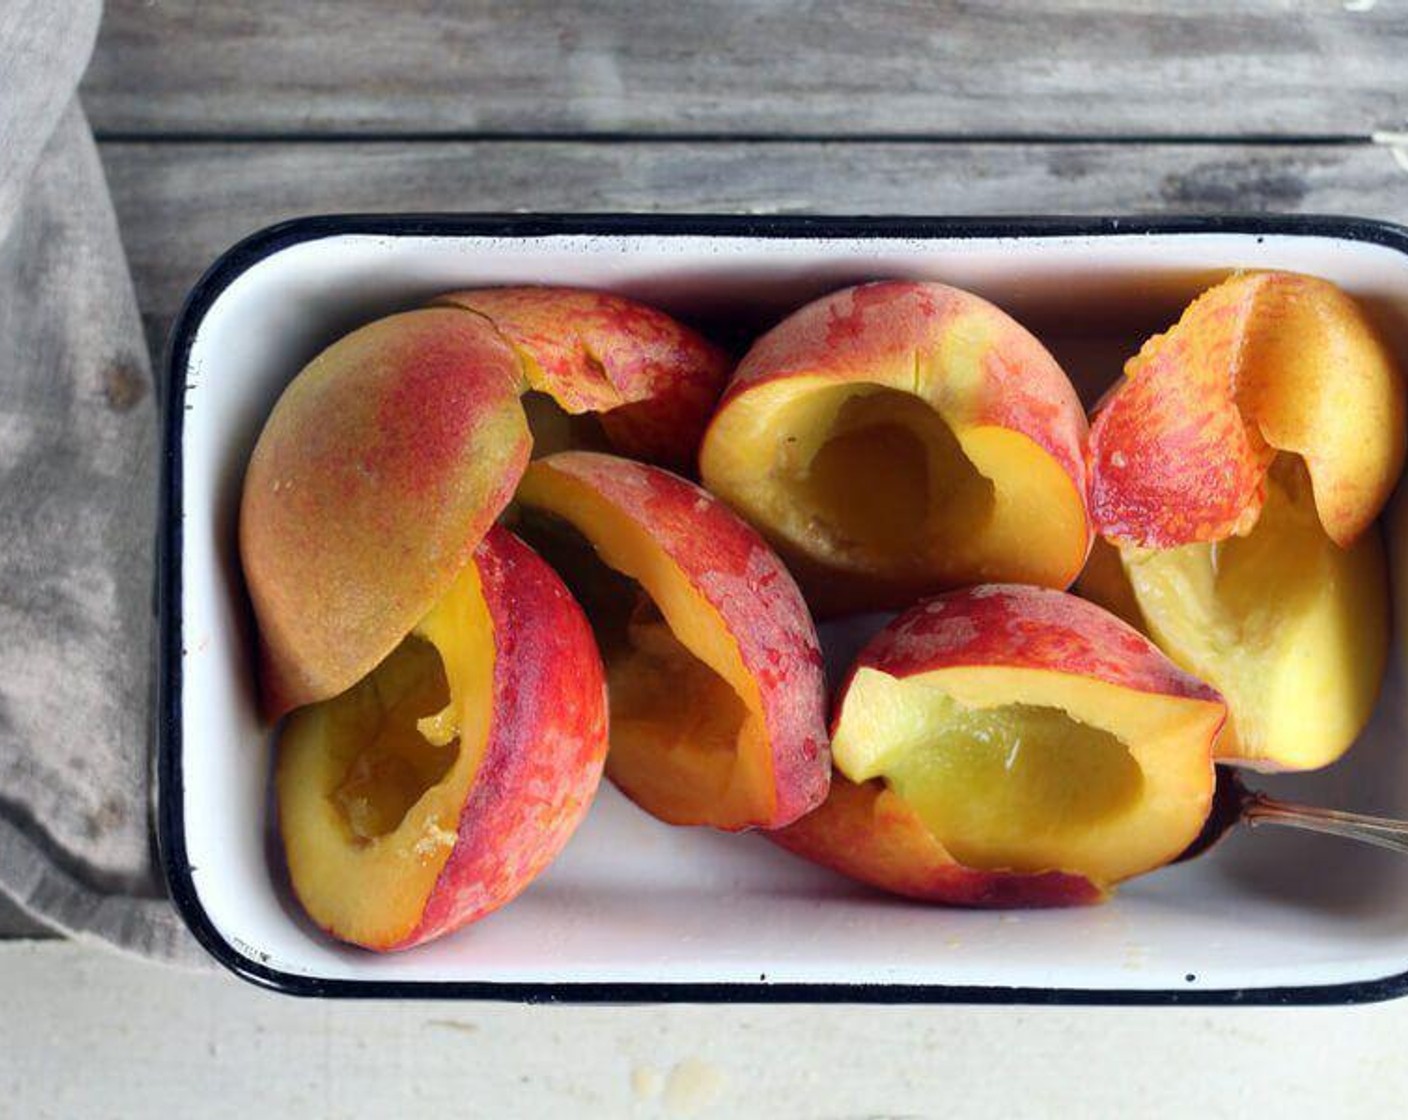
pixel 1236 472
pixel 717 708
pixel 436 789
pixel 651 381
pixel 1012 746
pixel 1264 362
pixel 899 438
pixel 379 470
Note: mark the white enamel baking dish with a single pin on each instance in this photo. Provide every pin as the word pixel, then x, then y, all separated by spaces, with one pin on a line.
pixel 635 910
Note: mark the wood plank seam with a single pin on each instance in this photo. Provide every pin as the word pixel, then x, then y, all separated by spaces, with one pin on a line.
pixel 105 136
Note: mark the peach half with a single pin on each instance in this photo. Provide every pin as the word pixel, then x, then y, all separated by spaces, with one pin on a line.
pixel 650 381
pixel 898 438
pixel 1261 364
pixel 1012 746
pixel 1291 628
pixel 434 790
pixel 377 473
pixel 713 667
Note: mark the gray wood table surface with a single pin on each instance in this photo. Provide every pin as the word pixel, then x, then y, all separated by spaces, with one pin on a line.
pixel 216 119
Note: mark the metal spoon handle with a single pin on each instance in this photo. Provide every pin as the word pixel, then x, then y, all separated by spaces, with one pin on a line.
pixel 1259 809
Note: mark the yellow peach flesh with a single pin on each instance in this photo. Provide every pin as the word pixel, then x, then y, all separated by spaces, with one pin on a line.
pixel 687 734
pixel 371 783
pixel 866 478
pixel 1291 628
pixel 668 705
pixel 1318 382
pixel 1032 770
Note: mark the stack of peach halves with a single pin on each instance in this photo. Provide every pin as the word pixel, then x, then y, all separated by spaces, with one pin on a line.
pixel 902 446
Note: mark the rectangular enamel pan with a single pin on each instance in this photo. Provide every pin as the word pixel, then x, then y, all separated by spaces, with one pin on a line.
pixel 635 910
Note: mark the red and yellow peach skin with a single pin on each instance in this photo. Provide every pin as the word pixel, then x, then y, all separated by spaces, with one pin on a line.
pixel 435 790
pixel 898 438
pixel 1262 363
pixel 653 380
pixel 715 677
pixel 1012 745
pixel 379 470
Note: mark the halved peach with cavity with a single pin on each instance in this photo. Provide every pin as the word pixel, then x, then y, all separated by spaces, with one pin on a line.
pixel 899 438
pixel 435 789
pixel 717 708
pixel 1009 745
pixel 651 382
pixel 1291 628
pixel 1264 362
pixel 379 470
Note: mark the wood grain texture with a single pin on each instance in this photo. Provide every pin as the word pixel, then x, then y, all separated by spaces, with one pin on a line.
pixel 1051 67
pixel 180 205
pixel 89 1034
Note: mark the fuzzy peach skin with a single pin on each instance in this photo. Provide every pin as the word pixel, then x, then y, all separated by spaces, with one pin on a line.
pixel 434 791
pixel 717 705
pixel 899 438
pixel 1012 746
pixel 1264 362
pixel 379 470
pixel 653 380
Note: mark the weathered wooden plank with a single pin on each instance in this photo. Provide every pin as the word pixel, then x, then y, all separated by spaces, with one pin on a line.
pixel 181 204
pixel 1049 67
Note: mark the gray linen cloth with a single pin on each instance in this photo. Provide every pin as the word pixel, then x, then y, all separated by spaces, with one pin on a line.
pixel 78 446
